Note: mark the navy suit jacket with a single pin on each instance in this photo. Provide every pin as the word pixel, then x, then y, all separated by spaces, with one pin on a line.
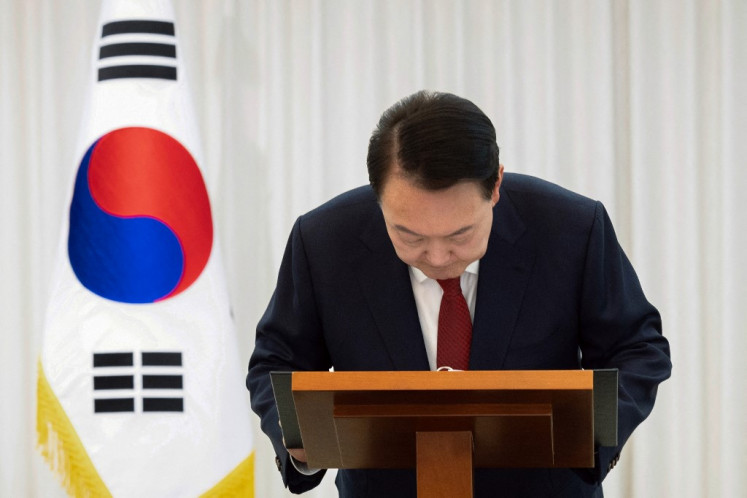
pixel 555 291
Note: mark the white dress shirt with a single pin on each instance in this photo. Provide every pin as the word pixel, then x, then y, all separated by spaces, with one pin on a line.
pixel 428 301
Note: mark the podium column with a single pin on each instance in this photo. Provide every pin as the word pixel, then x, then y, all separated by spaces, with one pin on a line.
pixel 444 464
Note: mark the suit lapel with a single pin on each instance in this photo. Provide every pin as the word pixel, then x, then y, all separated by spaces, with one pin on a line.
pixel 504 274
pixel 385 281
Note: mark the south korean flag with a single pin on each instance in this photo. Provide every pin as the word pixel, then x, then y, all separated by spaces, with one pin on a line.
pixel 140 390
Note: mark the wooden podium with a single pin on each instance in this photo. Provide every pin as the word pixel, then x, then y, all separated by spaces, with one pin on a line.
pixel 446 423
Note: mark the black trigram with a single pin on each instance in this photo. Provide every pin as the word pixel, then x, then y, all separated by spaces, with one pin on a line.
pixel 156 372
pixel 152 379
pixel 139 52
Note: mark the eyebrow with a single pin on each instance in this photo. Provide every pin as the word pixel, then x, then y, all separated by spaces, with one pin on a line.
pixel 401 228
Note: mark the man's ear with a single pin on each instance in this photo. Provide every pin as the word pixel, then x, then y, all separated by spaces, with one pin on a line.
pixel 496 189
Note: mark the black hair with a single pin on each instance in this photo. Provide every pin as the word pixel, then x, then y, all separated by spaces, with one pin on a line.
pixel 437 140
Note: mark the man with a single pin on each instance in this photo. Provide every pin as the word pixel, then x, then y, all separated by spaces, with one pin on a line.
pixel 541 274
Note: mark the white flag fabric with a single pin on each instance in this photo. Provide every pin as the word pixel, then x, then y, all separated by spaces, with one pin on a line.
pixel 140 390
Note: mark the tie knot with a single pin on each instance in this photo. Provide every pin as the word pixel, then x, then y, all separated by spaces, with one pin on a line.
pixel 451 285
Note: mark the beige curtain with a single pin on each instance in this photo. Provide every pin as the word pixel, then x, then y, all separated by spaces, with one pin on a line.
pixel 638 103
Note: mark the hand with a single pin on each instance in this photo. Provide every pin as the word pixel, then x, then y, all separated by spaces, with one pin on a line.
pixel 299 454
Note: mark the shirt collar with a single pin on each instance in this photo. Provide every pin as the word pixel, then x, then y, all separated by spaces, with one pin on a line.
pixel 421 277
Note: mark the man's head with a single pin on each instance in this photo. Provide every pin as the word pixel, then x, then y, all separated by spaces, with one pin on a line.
pixel 433 163
pixel 436 140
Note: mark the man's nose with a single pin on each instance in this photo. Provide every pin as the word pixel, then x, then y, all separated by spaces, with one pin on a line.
pixel 438 255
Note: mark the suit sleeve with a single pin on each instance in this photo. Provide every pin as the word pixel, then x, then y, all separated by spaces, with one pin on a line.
pixel 288 338
pixel 620 329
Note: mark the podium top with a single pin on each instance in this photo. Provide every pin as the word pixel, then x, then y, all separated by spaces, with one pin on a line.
pixel 539 418
pixel 452 380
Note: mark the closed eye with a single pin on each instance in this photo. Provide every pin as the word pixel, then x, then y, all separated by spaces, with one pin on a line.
pixel 412 241
pixel 462 235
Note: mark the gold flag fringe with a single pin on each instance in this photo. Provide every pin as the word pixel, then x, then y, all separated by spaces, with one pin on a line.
pixel 61 447
pixel 238 483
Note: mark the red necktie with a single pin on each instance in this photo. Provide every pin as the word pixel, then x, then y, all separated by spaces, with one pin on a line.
pixel 454 327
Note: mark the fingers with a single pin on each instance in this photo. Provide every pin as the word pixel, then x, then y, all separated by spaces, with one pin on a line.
pixel 299 454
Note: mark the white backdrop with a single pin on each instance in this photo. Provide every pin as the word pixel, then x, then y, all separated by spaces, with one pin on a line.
pixel 639 103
